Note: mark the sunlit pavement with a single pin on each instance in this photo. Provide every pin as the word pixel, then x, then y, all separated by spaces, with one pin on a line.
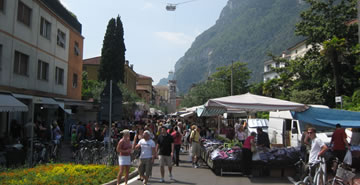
pixel 185 174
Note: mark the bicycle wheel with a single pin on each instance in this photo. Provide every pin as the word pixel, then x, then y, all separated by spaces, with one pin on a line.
pixel 307 181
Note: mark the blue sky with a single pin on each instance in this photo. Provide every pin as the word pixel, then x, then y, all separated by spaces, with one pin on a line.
pixel 155 38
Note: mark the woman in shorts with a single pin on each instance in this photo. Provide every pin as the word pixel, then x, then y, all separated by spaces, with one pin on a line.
pixel 124 148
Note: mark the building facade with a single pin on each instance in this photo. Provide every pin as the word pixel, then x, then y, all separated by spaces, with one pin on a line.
pixel 92 66
pixel 298 50
pixel 41 50
pixel 144 88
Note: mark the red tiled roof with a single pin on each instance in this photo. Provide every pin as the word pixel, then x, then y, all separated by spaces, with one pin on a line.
pixel 141 88
pixel 143 76
pixel 92 61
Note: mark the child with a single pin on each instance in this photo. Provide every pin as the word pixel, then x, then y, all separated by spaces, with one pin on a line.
pixel 73 141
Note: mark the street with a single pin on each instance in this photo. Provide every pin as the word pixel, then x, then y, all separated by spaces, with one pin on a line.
pixel 185 174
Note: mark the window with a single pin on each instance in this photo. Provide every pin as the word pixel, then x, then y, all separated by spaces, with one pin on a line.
pixel 61 38
pixel 75 80
pixel 59 76
pixel 43 71
pixel 21 64
pixel 2 5
pixel 24 13
pixel 76 49
pixel 45 28
pixel 268 68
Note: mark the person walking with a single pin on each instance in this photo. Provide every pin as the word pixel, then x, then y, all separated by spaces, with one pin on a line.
pixel 339 142
pixel 165 148
pixel 195 145
pixel 176 134
pixel 147 156
pixel 247 153
pixel 124 149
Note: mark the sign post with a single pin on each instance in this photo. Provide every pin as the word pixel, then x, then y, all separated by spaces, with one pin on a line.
pixel 338 99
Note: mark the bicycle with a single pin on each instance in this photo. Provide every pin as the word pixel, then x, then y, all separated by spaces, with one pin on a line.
pixel 319 177
pixel 343 175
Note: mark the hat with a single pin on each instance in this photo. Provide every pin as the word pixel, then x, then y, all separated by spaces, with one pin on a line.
pixel 126 131
pixel 147 132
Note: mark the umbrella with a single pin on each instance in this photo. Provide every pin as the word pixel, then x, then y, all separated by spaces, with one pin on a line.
pixel 253 103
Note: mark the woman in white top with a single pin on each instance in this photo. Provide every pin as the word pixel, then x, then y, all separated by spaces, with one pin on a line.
pixel 241 134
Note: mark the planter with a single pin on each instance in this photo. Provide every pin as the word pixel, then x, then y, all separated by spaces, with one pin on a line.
pixel 131 175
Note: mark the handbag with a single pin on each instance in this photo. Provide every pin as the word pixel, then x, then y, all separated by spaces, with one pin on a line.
pixel 253 147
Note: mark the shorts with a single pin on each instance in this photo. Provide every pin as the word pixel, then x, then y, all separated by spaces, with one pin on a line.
pixel 145 166
pixel 124 160
pixel 165 160
pixel 195 149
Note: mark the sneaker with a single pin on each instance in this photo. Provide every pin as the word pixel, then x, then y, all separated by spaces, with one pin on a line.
pixel 162 180
pixel 171 177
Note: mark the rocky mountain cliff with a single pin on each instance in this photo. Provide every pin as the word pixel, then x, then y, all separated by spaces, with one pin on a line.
pixel 246 31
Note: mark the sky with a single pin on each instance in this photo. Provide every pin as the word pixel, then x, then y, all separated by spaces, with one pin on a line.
pixel 154 38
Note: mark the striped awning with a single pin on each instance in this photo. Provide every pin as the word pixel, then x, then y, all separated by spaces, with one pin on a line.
pixel 9 103
pixel 210 111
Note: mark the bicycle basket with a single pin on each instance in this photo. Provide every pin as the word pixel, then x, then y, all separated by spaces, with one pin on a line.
pixel 344 174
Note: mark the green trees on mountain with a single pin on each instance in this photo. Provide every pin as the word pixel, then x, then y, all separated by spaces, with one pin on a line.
pixel 219 85
pixel 113 52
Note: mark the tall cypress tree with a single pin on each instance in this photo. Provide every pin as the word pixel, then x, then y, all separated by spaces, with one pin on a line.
pixel 113 53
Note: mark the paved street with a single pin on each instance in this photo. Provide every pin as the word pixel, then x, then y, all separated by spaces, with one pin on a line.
pixel 185 174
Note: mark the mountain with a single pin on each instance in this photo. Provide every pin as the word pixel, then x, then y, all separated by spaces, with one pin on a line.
pixel 246 31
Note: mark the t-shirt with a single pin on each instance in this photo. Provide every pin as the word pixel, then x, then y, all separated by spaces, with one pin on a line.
pixel 177 138
pixel 247 143
pixel 165 142
pixel 195 136
pixel 316 145
pixel 146 148
pixel 338 138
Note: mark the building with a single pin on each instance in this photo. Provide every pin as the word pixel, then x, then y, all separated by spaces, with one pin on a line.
pixel 92 66
pixel 298 50
pixel 41 50
pixel 162 98
pixel 144 88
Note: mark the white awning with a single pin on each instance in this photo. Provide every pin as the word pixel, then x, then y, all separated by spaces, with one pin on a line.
pixel 10 104
pixel 62 106
pixel 188 114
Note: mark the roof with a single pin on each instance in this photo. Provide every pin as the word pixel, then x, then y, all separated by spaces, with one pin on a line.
pixel 302 42
pixel 143 76
pixel 92 61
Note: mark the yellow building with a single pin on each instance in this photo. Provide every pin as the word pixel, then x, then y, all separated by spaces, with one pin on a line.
pixel 92 65
pixel 144 87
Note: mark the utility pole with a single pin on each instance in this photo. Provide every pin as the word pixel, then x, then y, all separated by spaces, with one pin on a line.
pixel 110 103
pixel 232 63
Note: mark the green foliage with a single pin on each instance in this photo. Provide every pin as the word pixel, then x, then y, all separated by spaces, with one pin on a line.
pixel 219 85
pixel 128 96
pixel 307 97
pixel 202 92
pixel 91 88
pixel 113 52
pixel 241 75
pixel 257 88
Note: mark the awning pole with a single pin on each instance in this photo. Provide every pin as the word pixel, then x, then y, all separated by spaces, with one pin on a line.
pixel 110 103
pixel 32 132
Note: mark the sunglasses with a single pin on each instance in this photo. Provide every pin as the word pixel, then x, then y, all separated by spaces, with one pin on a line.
pixel 310 132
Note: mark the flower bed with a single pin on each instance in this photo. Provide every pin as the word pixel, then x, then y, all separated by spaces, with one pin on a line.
pixel 60 174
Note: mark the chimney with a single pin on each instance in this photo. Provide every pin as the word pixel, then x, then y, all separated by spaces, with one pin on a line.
pixel 132 66
pixel 126 62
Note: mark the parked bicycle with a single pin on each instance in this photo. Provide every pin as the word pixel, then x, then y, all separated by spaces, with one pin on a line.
pixel 320 174
pixel 344 174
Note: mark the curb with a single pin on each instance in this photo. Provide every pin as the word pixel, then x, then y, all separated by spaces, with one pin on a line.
pixel 131 175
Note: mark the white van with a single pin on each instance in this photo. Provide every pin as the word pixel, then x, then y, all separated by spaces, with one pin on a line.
pixel 284 130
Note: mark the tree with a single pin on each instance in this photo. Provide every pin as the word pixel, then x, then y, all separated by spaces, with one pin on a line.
pixel 113 53
pixel 241 76
pixel 328 21
pixel 202 92
pixel 91 88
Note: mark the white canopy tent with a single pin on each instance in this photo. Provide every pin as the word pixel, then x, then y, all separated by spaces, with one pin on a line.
pixel 252 103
